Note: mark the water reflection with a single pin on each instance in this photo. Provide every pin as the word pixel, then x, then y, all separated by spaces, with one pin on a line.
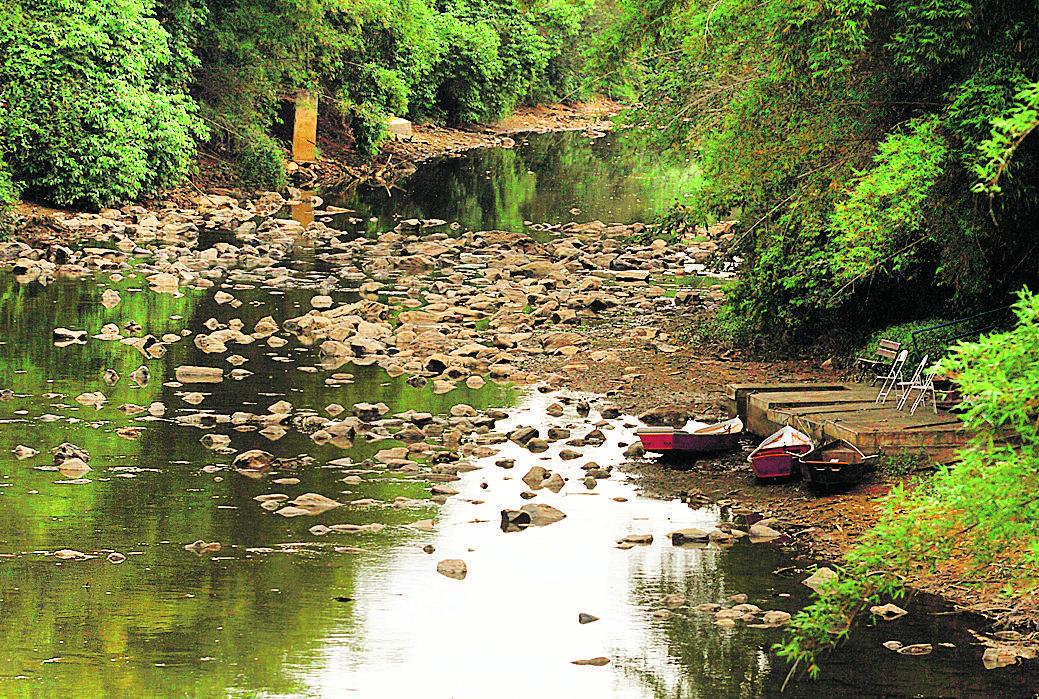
pixel 547 178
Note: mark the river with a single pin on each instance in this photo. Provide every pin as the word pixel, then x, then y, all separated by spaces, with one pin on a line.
pixel 281 611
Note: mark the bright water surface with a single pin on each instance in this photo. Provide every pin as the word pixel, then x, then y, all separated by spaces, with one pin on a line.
pixel 278 612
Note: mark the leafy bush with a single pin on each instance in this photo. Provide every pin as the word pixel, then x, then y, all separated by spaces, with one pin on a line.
pixel 260 162
pixel 848 137
pixel 7 191
pixel 8 194
pixel 88 123
pixel 979 515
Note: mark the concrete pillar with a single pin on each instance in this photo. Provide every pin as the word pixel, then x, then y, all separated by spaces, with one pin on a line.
pixel 304 127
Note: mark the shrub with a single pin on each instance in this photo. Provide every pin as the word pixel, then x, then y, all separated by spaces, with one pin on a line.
pixel 260 161
pixel 8 194
pixel 88 122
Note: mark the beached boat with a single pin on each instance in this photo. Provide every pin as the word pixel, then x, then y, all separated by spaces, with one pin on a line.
pixel 835 465
pixel 694 438
pixel 776 457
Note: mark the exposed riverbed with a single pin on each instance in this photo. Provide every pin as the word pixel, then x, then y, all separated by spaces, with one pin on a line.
pixel 290 606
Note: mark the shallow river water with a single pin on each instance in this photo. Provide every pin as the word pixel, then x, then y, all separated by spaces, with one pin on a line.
pixel 279 611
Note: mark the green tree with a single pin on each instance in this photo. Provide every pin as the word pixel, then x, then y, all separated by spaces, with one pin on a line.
pixel 88 121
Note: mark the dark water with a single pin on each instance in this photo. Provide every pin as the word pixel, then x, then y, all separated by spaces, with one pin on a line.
pixel 546 178
pixel 281 612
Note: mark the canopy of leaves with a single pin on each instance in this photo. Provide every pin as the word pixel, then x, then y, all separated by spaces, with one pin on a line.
pixel 847 136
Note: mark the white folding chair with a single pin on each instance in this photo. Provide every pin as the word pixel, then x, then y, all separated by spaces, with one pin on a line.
pixel 906 386
pixel 926 388
pixel 891 379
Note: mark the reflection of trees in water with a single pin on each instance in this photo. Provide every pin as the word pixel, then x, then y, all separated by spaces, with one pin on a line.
pixel 698 658
pixel 612 179
pixel 255 616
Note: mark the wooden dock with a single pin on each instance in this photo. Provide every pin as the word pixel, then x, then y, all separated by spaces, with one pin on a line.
pixel 849 412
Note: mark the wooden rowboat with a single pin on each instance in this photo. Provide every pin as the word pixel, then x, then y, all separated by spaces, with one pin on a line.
pixel 694 438
pixel 835 465
pixel 776 457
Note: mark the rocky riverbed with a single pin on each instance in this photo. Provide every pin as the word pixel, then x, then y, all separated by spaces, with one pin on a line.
pixel 451 408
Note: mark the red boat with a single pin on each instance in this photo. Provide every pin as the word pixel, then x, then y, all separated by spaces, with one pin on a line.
pixel 776 457
pixel 694 438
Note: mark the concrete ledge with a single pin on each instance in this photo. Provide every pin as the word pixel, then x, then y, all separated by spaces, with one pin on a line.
pixel 740 392
pixel 849 412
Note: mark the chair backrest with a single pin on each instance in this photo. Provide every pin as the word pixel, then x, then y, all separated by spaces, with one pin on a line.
pixel 900 361
pixel 888 349
pixel 919 370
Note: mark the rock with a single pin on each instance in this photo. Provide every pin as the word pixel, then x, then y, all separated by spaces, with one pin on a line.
pixel 634 451
pixel 666 415
pixel 199 374
pixel 522 435
pixel 321 302
pixel 775 618
pixel 916 649
pixel 583 618
pixel 64 336
pixel 609 412
pixel 452 568
pixel 115 557
pixel 110 298
pixel 94 398
pixel 505 463
pixel 314 503
pixel 70 555
pixel 200 547
pixel 73 468
pixel 638 539
pixel 595 662
pixel 555 410
pixel 892 645
pixel 542 515
pixel 535 476
pixel 819 578
pixel 888 612
pixel 530 515
pixel 554 483
pixel 253 460
pixel 67 450
pixel 674 601
pixel 23 452
pixel 537 446
pixel 215 441
pixel 762 532
pixel 688 536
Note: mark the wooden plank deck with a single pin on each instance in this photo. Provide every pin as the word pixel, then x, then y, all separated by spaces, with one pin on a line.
pixel 849 412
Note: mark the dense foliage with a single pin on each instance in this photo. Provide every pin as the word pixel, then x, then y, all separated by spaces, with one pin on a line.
pixel 848 137
pixel 978 517
pixel 107 99
pixel 88 119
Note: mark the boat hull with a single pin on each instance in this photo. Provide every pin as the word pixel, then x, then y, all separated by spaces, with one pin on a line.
pixel 778 463
pixel 705 443
pixel 658 441
pixel 832 476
